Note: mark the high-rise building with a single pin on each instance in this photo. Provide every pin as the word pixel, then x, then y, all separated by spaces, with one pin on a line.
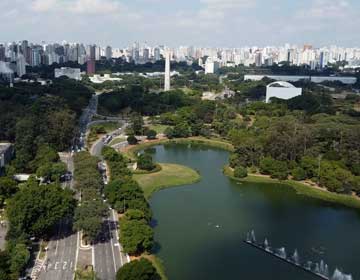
pixel 35 57
pixel 2 53
pixel 157 54
pixel 108 52
pixel 90 67
pixel 258 59
pixel 322 60
pixel 146 55
pixel 211 66
pixel 167 71
pixel 20 65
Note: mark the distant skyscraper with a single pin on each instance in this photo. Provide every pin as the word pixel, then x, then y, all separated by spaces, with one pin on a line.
pixel 90 66
pixel 258 59
pixel 35 57
pixel 2 53
pixel 20 65
pixel 146 55
pixel 108 52
pixel 157 54
pixel 322 60
pixel 167 71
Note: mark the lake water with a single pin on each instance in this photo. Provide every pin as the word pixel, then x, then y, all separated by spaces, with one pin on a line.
pixel 200 228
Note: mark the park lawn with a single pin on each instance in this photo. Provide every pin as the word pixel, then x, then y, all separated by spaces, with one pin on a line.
pixel 159 128
pixel 170 175
pixel 117 140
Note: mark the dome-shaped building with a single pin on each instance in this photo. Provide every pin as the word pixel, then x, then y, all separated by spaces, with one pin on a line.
pixel 282 90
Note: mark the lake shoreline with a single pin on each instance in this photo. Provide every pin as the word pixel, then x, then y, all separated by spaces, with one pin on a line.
pixel 301 188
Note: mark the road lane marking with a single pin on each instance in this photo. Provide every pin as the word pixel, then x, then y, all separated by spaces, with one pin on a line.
pixel 93 256
pixel 117 237
pixel 77 252
pixel 112 245
pixel 56 265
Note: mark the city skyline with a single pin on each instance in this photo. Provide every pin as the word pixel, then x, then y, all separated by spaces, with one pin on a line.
pixel 213 23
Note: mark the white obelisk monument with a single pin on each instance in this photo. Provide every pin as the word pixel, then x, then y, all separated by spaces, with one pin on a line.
pixel 167 71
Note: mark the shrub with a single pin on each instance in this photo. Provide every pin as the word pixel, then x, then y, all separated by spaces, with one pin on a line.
pixel 151 134
pixel 132 140
pixel 240 172
pixel 298 174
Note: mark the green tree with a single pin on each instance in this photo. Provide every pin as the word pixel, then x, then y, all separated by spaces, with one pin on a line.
pixel 138 270
pixel 169 132
pixel 8 187
pixel 51 171
pixel 89 218
pixel 36 209
pixel 145 162
pixel 132 140
pixel 298 174
pixel 19 257
pixel 137 124
pixel 136 236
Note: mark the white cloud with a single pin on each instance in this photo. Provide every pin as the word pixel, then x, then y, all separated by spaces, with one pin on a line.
pixel 228 4
pixel 325 9
pixel 77 6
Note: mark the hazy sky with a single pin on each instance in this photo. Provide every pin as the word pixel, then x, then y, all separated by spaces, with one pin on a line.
pixel 223 23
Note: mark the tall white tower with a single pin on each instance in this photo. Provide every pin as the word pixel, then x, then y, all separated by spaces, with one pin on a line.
pixel 167 71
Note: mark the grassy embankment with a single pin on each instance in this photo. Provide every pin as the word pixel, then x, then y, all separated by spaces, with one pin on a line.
pixel 117 140
pixel 98 130
pixel 170 175
pixel 301 189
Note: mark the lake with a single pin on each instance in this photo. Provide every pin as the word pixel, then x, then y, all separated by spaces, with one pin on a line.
pixel 200 228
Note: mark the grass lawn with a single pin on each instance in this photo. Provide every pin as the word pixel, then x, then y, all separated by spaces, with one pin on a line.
pixel 159 128
pixel 170 175
pixel 302 189
pixel 117 140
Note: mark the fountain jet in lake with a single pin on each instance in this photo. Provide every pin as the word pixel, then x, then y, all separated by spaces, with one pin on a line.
pixel 320 269
pixel 338 275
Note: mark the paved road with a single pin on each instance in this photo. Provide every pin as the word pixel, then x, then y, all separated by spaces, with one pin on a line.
pixel 63 248
pixel 61 256
pixel 108 256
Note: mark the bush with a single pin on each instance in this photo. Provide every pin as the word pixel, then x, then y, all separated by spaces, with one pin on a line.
pixel 240 172
pixel 132 140
pixel 151 134
pixel 169 132
pixel 138 269
pixel 275 168
pixel 298 174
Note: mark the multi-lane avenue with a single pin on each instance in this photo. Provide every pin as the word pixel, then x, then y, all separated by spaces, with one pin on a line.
pixel 108 255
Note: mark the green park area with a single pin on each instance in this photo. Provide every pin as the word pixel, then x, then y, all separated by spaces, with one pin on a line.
pixel 170 175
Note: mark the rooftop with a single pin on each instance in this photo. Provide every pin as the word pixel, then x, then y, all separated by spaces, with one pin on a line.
pixel 4 147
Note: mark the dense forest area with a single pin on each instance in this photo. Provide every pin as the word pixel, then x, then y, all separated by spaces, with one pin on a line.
pixel 139 100
pixel 40 121
pixel 307 137
pixel 33 115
